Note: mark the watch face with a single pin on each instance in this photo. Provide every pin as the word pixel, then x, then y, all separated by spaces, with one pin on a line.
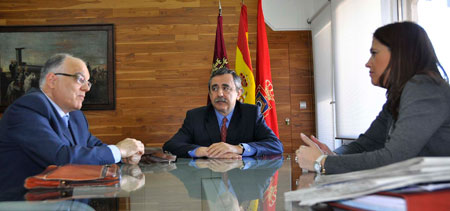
pixel 317 167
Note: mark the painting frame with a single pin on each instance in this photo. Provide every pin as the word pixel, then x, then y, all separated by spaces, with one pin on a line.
pixel 60 39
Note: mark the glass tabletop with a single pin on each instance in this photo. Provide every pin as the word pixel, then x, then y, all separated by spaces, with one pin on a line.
pixel 187 184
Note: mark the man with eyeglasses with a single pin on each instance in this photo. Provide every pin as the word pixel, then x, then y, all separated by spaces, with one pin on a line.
pixel 46 127
pixel 225 128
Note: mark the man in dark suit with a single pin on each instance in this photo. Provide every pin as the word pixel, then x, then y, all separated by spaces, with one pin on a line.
pixel 46 127
pixel 225 128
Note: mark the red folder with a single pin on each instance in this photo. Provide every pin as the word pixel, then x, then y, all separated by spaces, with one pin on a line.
pixel 435 200
pixel 417 201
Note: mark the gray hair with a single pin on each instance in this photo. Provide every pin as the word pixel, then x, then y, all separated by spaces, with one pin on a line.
pixel 51 65
pixel 223 71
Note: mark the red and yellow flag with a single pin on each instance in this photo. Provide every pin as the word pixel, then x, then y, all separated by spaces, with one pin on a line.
pixel 265 97
pixel 243 62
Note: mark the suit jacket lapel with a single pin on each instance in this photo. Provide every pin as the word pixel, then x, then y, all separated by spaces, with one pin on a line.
pixel 212 127
pixel 74 128
pixel 61 123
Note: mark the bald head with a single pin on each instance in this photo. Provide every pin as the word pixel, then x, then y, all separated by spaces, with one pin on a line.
pixel 52 65
pixel 64 79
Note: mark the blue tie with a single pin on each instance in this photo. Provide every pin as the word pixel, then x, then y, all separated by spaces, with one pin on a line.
pixel 66 120
pixel 69 135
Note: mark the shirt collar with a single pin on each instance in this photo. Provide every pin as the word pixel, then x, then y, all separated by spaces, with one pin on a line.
pixel 220 117
pixel 58 109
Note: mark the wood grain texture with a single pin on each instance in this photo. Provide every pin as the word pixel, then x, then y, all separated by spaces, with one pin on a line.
pixel 163 55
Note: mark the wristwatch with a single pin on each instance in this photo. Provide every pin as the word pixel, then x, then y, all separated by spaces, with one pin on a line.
pixel 243 149
pixel 318 165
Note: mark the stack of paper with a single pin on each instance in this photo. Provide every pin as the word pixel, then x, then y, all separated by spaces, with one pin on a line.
pixel 354 184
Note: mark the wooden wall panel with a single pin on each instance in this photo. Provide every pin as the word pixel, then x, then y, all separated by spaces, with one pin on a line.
pixel 302 88
pixel 163 55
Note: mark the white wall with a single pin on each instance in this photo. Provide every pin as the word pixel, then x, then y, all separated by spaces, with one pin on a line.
pixel 291 15
pixel 323 76
pixel 357 100
pixel 287 15
pixel 342 36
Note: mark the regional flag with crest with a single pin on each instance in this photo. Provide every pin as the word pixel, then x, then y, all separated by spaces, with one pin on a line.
pixel 220 52
pixel 265 98
pixel 243 62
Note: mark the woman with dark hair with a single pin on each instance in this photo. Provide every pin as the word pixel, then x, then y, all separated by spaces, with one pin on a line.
pixel 414 121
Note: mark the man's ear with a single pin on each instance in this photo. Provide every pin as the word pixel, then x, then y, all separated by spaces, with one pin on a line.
pixel 210 97
pixel 50 80
pixel 239 93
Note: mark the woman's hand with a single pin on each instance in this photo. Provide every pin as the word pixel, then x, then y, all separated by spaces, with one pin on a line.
pixel 307 154
pixel 305 180
pixel 322 146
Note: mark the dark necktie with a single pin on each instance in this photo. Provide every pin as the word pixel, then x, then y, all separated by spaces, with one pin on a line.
pixel 69 129
pixel 223 130
pixel 71 132
pixel 66 120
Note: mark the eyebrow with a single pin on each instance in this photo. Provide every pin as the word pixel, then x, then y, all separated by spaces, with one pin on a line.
pixel 223 85
pixel 79 73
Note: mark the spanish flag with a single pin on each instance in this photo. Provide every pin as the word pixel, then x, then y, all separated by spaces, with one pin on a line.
pixel 243 62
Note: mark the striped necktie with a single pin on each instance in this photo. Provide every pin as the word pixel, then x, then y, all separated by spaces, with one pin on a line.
pixel 223 130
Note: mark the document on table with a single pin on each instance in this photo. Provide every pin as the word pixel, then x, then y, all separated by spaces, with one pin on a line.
pixel 355 184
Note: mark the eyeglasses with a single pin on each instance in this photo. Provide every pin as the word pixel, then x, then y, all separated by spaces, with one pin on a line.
pixel 225 89
pixel 80 78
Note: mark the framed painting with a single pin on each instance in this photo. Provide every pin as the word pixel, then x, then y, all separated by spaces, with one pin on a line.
pixel 25 49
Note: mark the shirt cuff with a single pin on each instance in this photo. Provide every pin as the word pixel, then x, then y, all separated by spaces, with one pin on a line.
pixel 192 163
pixel 248 162
pixel 248 150
pixel 116 153
pixel 192 152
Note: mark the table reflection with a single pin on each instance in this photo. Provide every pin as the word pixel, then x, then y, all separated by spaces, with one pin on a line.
pixel 231 184
pixel 188 184
pixel 77 198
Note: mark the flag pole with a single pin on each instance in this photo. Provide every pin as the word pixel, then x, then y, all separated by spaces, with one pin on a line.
pixel 220 8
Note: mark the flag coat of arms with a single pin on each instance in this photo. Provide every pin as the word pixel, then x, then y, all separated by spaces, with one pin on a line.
pixel 243 62
pixel 264 96
pixel 220 52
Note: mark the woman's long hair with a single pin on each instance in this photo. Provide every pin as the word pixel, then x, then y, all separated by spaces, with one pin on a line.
pixel 411 53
